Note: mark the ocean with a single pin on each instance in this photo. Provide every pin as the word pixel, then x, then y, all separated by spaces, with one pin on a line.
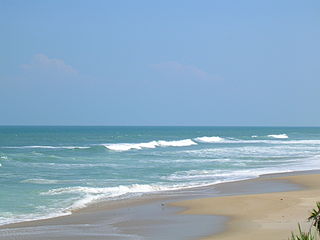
pixel 50 171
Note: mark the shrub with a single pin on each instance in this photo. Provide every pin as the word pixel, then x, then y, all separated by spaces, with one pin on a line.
pixel 302 235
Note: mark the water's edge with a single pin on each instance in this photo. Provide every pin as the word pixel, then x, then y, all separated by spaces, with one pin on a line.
pixel 147 216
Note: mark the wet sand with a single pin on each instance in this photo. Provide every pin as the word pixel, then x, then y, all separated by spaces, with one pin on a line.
pixel 261 216
pixel 241 209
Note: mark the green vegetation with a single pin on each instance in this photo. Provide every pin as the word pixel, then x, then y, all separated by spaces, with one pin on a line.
pixel 302 235
pixel 315 223
pixel 315 218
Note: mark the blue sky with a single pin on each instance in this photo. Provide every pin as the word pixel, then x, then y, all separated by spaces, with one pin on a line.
pixel 160 62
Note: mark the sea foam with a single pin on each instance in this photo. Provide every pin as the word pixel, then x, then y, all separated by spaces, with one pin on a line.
pixel 179 143
pixel 88 195
pixel 152 144
pixel 209 139
pixel 218 176
pixel 281 136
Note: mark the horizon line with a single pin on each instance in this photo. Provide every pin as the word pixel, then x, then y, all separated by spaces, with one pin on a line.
pixel 44 125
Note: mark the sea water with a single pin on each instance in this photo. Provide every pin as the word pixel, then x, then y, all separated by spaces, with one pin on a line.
pixel 50 171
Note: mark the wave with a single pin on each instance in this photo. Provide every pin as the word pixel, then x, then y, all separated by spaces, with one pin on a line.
pixel 281 136
pixel 219 176
pixel 264 141
pixel 175 143
pixel 129 146
pixel 213 175
pixel 88 195
pixel 209 139
pixel 198 178
pixel 9 218
pixel 179 143
pixel 278 139
pixel 152 144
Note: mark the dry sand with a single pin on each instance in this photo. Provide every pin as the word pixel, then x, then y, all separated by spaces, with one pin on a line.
pixel 261 216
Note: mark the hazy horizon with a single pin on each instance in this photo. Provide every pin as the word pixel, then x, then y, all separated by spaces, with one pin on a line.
pixel 200 126
pixel 141 63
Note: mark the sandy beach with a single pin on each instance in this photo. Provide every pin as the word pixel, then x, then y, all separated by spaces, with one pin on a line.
pixel 262 216
pixel 266 207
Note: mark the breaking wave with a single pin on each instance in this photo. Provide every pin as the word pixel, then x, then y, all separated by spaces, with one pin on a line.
pixel 153 144
pixel 209 139
pixel 215 175
pixel 281 136
pixel 88 195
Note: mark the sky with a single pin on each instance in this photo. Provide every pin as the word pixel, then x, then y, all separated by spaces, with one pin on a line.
pixel 206 62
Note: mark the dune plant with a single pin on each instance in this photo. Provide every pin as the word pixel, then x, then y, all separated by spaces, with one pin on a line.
pixel 302 235
pixel 315 217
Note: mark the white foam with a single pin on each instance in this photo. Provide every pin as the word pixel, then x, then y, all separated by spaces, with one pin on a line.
pixel 8 218
pixel 179 143
pixel 209 139
pixel 129 146
pixel 254 136
pixel 280 136
pixel 109 191
pixel 152 144
pixel 281 142
pixel 217 176
pixel 205 139
pixel 91 194
pixel 88 195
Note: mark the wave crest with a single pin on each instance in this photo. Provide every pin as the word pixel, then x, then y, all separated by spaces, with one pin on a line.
pixel 281 136
pixel 153 144
pixel 209 139
pixel 91 194
pixel 179 143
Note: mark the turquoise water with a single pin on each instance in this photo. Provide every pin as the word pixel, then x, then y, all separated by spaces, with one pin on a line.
pixel 48 171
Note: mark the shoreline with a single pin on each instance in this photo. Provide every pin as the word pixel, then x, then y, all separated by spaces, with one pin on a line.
pixel 177 206
pixel 266 215
pixel 173 195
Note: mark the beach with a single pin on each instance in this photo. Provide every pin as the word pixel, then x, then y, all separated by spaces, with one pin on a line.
pixel 267 207
pixel 262 216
